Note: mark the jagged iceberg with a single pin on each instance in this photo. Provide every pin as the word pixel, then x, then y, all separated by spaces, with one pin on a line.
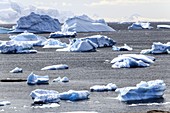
pixel 45 96
pixel 73 95
pixel 52 43
pixel 132 61
pixel 158 48
pixel 33 79
pixel 122 48
pixel 16 70
pixel 144 90
pixel 140 25
pixel 60 34
pixel 36 23
pixel 56 67
pixel 85 24
pixel 100 88
pixel 14 47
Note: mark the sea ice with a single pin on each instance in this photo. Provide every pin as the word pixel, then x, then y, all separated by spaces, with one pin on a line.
pixel 52 43
pixel 144 90
pixel 140 25
pixel 56 67
pixel 100 88
pixel 73 95
pixel 85 24
pixel 122 48
pixel 16 70
pixel 60 34
pixel 33 79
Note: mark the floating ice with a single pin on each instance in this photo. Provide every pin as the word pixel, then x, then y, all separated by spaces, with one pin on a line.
pixel 122 48
pixel 74 95
pixel 163 26
pixel 3 103
pixel 59 79
pixel 44 106
pixel 132 61
pixel 36 23
pixel 14 47
pixel 140 25
pixel 45 96
pixel 60 34
pixel 85 24
pixel 16 70
pixel 56 67
pixel 33 79
pixel 4 30
pixel 52 43
pixel 142 91
pixel 100 88
pixel 158 48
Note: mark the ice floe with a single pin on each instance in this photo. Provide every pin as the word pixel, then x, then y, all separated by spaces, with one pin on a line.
pixel 144 90
pixel 56 67
pixel 53 43
pixel 73 95
pixel 33 79
pixel 122 48
pixel 14 47
pixel 59 79
pixel 45 96
pixel 100 88
pixel 158 48
pixel 36 23
pixel 3 103
pixel 132 61
pixel 16 70
pixel 85 24
pixel 140 25
pixel 60 34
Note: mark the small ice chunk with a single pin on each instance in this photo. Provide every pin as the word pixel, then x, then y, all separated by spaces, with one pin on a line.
pixel 122 48
pixel 3 103
pixel 59 79
pixel 51 105
pixel 16 70
pixel 108 87
pixel 56 67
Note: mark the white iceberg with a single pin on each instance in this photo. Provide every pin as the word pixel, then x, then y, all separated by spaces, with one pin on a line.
pixel 52 43
pixel 56 67
pixel 85 24
pixel 122 48
pixel 3 103
pixel 60 34
pixel 132 61
pixel 144 90
pixel 140 25
pixel 157 48
pixel 16 70
pixel 14 47
pixel 100 88
pixel 163 26
pixel 59 79
pixel 45 96
pixel 49 105
pixel 73 95
pixel 36 23
pixel 33 79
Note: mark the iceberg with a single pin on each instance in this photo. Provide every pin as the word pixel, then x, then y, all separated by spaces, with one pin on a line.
pixel 85 24
pixel 59 79
pixel 132 61
pixel 73 95
pixel 4 30
pixel 122 48
pixel 158 48
pixel 45 96
pixel 14 47
pixel 3 103
pixel 16 70
pixel 36 23
pixel 60 34
pixel 33 79
pixel 144 90
pixel 140 25
pixel 163 26
pixel 56 67
pixel 100 88
pixel 52 43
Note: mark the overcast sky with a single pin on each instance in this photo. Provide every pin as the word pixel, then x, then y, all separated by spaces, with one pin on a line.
pixel 108 9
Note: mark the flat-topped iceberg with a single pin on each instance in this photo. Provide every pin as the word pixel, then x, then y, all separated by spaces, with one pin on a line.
pixel 56 67
pixel 33 79
pixel 3 103
pixel 100 88
pixel 132 61
pixel 85 24
pixel 140 25
pixel 144 90
pixel 158 48
pixel 36 23
pixel 16 70
pixel 60 34
pixel 163 26
pixel 53 43
pixel 122 48
pixel 14 47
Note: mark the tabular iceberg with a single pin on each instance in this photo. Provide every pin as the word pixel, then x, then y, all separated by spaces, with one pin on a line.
pixel 36 23
pixel 144 90
pixel 158 48
pixel 132 61
pixel 85 24
pixel 60 34
pixel 140 25
pixel 100 88
pixel 122 48
pixel 56 67
pixel 52 43
pixel 163 26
